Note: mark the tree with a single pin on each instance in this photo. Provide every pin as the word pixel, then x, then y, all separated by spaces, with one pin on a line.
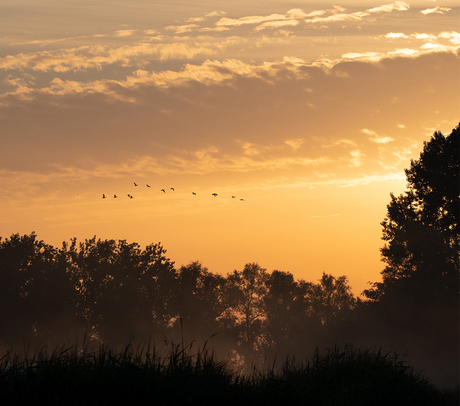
pixel 421 229
pixel 288 321
pixel 416 306
pixel 331 299
pixel 279 300
pixel 37 299
pixel 198 301
pixel 123 290
pixel 245 294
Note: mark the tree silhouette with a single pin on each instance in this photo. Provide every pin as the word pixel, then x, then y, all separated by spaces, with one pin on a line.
pixel 288 322
pixel 421 229
pixel 123 291
pixel 331 299
pixel 37 299
pixel 245 294
pixel 198 301
pixel 416 306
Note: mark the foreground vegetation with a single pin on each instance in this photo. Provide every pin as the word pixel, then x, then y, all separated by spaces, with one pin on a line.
pixel 180 374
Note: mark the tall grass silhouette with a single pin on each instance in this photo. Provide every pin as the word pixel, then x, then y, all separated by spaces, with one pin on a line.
pixel 180 374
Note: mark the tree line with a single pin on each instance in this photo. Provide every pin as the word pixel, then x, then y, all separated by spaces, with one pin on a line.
pixel 114 291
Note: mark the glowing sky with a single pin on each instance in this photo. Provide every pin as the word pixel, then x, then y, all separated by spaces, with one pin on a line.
pixel 309 111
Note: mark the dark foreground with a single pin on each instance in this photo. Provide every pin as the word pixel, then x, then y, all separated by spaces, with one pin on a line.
pixel 179 376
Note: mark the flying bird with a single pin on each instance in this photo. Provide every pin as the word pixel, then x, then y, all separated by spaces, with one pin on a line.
pixel 242 200
pixel 193 193
pixel 103 196
pixel 233 197
pixel 214 194
pixel 172 189
pixel 147 185
pixel 135 184
pixel 115 196
pixel 162 190
pixel 130 196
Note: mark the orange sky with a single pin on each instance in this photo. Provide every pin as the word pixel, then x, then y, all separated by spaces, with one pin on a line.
pixel 308 113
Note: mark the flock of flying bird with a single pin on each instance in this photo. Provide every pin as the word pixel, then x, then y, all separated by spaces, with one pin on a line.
pixel 164 191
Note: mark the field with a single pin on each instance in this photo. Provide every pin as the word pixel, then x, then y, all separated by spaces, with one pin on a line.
pixel 180 374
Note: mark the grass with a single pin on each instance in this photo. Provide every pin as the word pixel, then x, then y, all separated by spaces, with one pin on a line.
pixel 184 375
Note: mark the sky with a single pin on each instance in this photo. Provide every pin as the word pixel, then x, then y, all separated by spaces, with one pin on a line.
pixel 308 111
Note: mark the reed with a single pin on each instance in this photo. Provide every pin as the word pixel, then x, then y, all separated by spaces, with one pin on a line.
pixel 180 374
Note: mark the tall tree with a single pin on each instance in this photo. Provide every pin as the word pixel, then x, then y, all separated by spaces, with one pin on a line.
pixel 245 294
pixel 123 290
pixel 198 301
pixel 331 299
pixel 37 299
pixel 421 229
pixel 415 307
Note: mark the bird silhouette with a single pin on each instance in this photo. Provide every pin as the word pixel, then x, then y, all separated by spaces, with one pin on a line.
pixel 233 197
pixel 147 185
pixel 115 196
pixel 162 190
pixel 130 196
pixel 214 194
pixel 135 184
pixel 193 193
pixel 172 189
pixel 242 200
pixel 103 196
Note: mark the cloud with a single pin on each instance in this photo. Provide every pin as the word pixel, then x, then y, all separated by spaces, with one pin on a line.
pixel 435 10
pixel 356 160
pixel 387 8
pixel 223 120
pixel 248 20
pixel 180 29
pixel 53 41
pixel 400 52
pixel 376 138
pixel 124 33
pixel 393 35
pixel 364 56
pixel 209 72
pixel 276 24
pixel 430 37
pixel 95 57
pixel 357 16
pixel 452 36
pixel 216 14
pixel 270 21
pixel 295 144
pixel 338 15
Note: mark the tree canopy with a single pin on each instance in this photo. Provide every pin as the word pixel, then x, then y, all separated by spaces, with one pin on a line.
pixel 421 229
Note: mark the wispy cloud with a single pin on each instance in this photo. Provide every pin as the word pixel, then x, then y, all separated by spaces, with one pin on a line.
pixel 374 137
pixel 95 57
pixel 181 29
pixel 356 158
pixel 276 24
pixel 435 10
pixel 338 15
pixel 388 8
pixel 452 36
pixel 356 16
pixel 124 33
pixel 393 35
